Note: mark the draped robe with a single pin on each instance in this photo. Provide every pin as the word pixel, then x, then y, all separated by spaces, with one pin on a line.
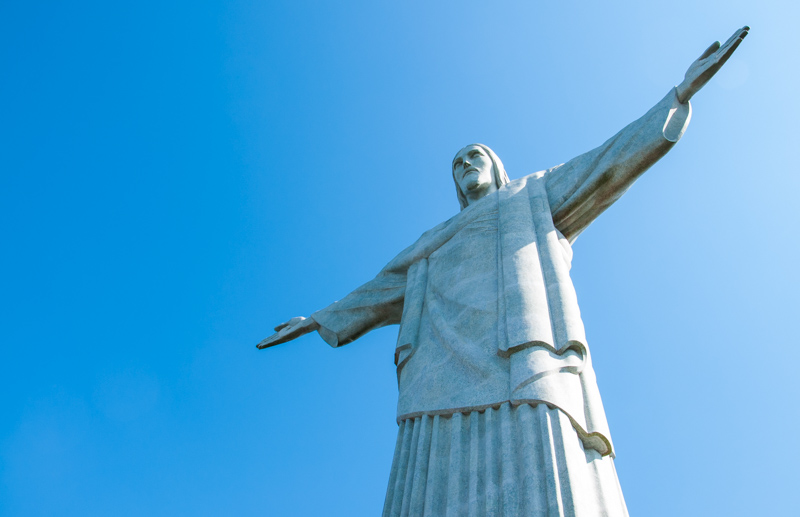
pixel 487 311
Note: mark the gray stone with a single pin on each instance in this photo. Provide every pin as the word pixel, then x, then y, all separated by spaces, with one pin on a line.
pixel 498 408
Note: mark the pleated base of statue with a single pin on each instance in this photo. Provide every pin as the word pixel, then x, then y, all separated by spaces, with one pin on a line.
pixel 509 461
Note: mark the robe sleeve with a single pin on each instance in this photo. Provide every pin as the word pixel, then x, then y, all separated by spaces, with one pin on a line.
pixel 582 188
pixel 382 300
pixel 375 304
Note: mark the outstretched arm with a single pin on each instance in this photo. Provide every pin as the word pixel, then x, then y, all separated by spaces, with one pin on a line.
pixel 587 185
pixel 375 304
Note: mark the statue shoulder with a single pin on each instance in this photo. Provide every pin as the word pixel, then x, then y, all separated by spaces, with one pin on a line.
pixel 541 174
pixel 419 249
pixel 517 185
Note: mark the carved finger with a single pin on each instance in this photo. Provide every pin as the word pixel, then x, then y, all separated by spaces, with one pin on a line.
pixel 291 323
pixel 730 40
pixel 268 342
pixel 710 50
pixel 734 41
pixel 740 34
pixel 728 52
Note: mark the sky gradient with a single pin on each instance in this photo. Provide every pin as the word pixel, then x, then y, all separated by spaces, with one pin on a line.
pixel 178 178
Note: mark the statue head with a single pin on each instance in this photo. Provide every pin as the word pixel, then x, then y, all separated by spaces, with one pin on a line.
pixel 477 171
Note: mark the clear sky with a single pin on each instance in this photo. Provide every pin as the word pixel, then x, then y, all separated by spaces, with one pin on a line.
pixel 176 178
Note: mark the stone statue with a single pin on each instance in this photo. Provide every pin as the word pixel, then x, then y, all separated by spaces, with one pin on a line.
pixel 499 411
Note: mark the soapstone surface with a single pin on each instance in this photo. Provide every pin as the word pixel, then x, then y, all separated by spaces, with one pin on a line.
pixel 499 410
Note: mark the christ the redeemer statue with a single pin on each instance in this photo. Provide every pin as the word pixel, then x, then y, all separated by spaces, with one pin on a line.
pixel 499 412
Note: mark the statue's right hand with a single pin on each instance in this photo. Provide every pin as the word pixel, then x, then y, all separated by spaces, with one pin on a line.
pixel 289 330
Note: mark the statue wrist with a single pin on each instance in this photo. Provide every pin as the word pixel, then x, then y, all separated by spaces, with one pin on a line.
pixel 682 92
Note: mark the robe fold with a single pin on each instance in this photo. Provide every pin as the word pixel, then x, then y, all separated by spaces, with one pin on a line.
pixel 487 311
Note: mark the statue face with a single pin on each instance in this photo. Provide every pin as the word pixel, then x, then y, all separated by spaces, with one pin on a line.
pixel 472 170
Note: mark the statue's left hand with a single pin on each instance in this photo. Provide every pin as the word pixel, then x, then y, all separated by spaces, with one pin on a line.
pixel 708 64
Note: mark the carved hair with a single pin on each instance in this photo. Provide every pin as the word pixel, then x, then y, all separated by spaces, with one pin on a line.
pixel 498 173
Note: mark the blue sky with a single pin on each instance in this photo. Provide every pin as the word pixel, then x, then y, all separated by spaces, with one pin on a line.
pixel 177 178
